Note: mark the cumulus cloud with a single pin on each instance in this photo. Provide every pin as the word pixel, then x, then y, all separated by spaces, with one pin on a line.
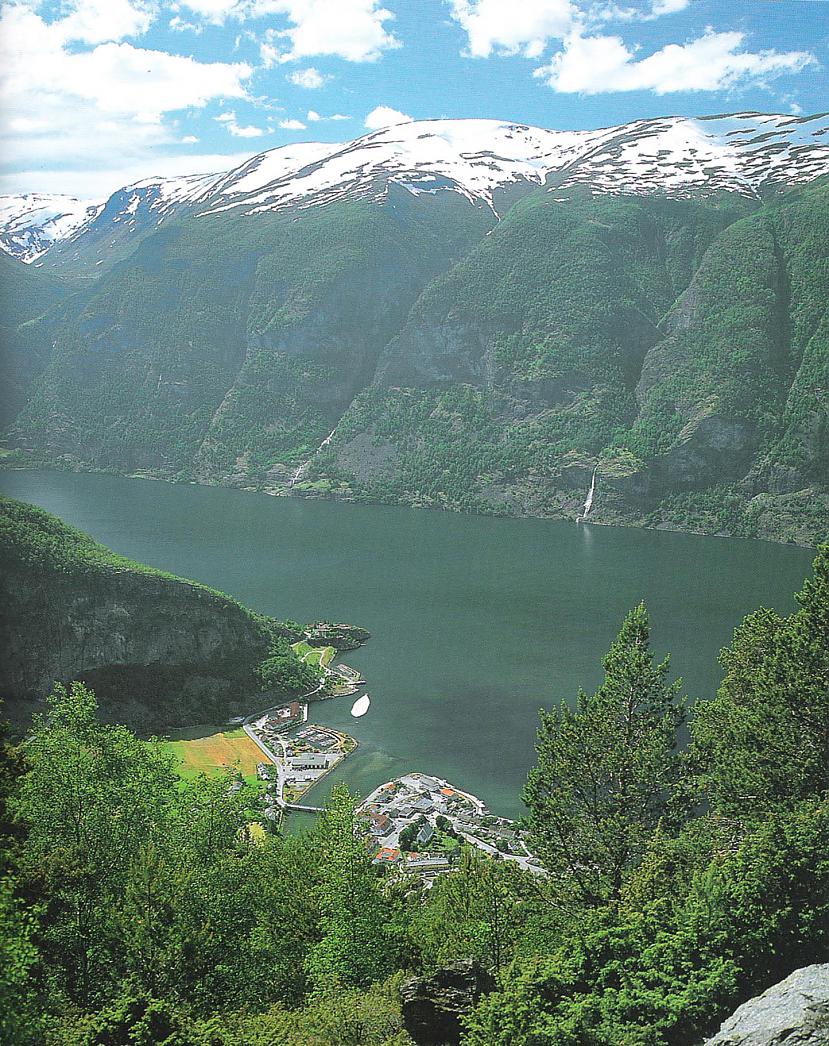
pixel 591 62
pixel 384 116
pixel 714 61
pixel 351 29
pixel 311 79
pixel 312 116
pixel 97 21
pixel 233 126
pixel 292 125
pixel 507 27
pixel 94 94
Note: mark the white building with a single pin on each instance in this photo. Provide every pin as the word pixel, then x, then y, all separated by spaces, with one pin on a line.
pixel 308 761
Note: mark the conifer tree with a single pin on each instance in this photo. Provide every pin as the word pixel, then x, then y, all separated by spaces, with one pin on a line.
pixel 354 948
pixel 608 772
pixel 763 742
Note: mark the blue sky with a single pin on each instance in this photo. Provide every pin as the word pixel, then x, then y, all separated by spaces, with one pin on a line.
pixel 98 93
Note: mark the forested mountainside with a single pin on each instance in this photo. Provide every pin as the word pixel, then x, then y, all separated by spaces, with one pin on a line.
pixel 480 328
pixel 71 609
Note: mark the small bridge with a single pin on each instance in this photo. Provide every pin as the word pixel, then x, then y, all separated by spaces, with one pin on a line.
pixel 300 806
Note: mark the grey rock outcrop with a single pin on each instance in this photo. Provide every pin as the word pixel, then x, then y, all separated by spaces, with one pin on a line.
pixel 433 1005
pixel 794 1012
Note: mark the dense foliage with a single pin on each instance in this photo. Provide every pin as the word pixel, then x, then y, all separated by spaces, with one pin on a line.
pixel 138 909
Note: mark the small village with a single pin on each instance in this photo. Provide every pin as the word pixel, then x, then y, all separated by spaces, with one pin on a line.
pixel 415 824
pixel 418 823
pixel 299 753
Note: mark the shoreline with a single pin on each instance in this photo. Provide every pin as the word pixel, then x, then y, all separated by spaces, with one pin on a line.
pixel 494 513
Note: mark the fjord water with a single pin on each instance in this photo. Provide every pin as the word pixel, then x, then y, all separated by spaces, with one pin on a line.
pixel 477 622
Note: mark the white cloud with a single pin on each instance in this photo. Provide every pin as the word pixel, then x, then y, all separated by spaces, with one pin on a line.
pixel 233 126
pixel 215 11
pixel 269 55
pixel 512 26
pixel 383 116
pixel 86 104
pixel 97 21
pixel 292 125
pixel 178 25
pixel 351 29
pixel 668 7
pixel 614 13
pixel 310 78
pixel 100 183
pixel 312 116
pixel 189 139
pixel 714 61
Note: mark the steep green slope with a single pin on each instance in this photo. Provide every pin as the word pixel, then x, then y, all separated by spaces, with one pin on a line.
pixel 676 347
pixel 71 609
pixel 26 294
pixel 228 346
pixel 521 365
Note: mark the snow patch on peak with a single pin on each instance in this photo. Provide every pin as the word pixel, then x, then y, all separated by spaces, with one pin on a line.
pixel 473 157
pixel 31 222
pixel 480 160
pixel 271 166
pixel 675 156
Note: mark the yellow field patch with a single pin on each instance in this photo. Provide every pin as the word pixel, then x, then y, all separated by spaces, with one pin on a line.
pixel 206 755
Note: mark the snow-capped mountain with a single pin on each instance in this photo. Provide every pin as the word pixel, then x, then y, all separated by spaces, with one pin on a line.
pixel 485 161
pixel 478 158
pixel 31 223
pixel 129 214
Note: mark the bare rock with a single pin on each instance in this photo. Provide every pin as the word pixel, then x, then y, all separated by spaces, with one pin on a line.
pixel 433 1005
pixel 794 1012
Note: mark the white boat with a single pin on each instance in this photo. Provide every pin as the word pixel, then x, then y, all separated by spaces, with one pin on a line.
pixel 360 706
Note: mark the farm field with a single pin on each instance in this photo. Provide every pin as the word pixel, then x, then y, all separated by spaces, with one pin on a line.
pixel 213 752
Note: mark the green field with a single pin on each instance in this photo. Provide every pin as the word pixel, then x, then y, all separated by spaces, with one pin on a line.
pixel 314 655
pixel 215 752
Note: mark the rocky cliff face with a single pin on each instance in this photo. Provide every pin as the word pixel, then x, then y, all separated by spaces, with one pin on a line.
pixel 159 651
pixel 794 1012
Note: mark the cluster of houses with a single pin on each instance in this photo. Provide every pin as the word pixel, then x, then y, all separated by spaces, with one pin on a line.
pixel 277 720
pixel 425 807
pixel 304 755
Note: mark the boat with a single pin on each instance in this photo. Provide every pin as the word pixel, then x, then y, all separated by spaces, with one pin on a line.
pixel 360 706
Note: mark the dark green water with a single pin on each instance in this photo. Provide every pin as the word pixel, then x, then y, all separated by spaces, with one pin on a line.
pixel 476 622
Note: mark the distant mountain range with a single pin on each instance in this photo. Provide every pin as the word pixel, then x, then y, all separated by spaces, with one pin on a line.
pixel 479 315
pixel 485 161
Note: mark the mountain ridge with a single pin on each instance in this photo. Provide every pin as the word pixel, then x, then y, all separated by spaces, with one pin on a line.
pixel 487 161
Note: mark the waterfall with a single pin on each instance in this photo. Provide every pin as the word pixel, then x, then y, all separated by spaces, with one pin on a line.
pixel 303 468
pixel 588 503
